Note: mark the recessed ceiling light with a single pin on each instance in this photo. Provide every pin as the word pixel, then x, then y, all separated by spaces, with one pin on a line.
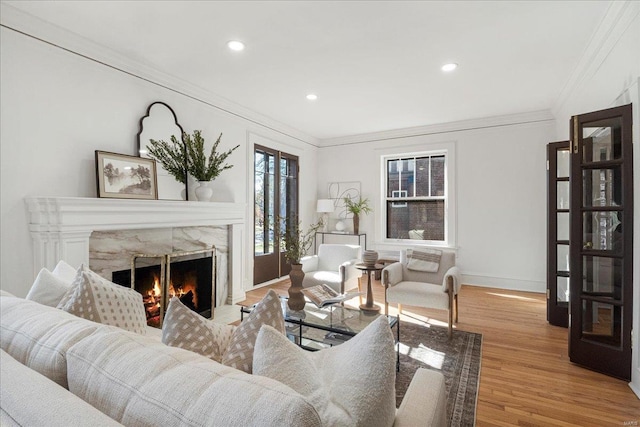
pixel 449 67
pixel 235 45
pixel 312 97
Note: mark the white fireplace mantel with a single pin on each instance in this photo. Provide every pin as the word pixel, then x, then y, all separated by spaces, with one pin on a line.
pixel 61 226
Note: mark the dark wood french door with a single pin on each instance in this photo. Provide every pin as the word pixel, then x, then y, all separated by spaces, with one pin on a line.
pixel 276 196
pixel 601 250
pixel 558 173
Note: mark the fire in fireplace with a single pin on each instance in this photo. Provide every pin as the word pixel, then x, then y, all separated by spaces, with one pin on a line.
pixel 190 280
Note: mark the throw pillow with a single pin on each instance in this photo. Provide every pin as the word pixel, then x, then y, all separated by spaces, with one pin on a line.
pixel 65 272
pixel 427 260
pixel 239 354
pixel 184 328
pixel 95 298
pixel 48 289
pixel 348 384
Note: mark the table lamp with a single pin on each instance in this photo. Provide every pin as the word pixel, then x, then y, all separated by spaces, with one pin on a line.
pixel 325 206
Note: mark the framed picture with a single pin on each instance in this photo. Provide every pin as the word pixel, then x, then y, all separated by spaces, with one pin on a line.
pixel 125 177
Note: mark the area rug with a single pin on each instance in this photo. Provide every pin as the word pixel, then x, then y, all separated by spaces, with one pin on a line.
pixel 458 359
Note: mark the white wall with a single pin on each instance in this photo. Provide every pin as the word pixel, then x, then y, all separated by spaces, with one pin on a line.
pixel 501 192
pixel 609 77
pixel 58 107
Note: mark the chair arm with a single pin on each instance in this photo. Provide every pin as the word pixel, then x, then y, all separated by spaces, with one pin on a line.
pixel 392 274
pixel 348 270
pixel 309 263
pixel 454 274
pixel 425 401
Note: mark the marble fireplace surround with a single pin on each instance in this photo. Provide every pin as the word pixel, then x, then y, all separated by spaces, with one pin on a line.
pixel 62 228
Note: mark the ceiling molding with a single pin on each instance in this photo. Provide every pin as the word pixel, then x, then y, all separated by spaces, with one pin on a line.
pixel 31 26
pixel 459 126
pixel 614 23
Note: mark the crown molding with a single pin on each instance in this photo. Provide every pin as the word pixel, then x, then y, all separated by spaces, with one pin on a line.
pixel 15 19
pixel 458 126
pixel 618 17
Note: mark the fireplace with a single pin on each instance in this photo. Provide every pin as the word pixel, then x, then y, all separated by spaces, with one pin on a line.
pixel 190 276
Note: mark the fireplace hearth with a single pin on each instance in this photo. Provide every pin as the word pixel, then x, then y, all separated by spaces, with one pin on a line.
pixel 190 276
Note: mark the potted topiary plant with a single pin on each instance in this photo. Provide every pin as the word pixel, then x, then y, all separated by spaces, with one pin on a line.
pixel 356 208
pixel 296 244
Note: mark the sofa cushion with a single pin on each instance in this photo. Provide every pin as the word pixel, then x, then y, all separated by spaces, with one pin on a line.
pixel 350 384
pixel 139 381
pixel 48 289
pixel 39 336
pixel 97 299
pixel 239 354
pixel 30 399
pixel 184 328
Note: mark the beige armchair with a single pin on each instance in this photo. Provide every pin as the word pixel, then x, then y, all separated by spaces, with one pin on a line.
pixel 334 265
pixel 405 284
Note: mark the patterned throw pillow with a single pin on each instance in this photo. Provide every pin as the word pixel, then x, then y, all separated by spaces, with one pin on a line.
pixel 239 354
pixel 351 384
pixel 427 260
pixel 95 298
pixel 184 328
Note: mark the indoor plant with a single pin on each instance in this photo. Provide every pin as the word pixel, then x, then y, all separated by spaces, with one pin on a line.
pixel 296 243
pixel 189 156
pixel 357 208
pixel 201 167
pixel 172 156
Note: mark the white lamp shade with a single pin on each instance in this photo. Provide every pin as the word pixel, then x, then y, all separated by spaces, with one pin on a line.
pixel 325 205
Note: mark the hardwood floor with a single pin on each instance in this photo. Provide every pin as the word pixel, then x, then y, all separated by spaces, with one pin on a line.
pixel 526 377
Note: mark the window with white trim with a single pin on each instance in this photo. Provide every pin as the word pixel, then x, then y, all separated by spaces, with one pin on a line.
pixel 416 197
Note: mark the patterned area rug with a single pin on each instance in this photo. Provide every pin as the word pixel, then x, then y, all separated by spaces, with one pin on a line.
pixel 458 359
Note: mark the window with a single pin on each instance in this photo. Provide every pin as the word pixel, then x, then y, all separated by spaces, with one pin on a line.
pixel 416 197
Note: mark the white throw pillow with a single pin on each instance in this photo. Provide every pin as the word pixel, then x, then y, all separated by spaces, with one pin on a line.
pixel 48 289
pixel 65 272
pixel 184 328
pixel 239 354
pixel 350 384
pixel 94 298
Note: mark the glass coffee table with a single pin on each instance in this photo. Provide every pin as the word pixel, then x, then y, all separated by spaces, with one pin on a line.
pixel 316 328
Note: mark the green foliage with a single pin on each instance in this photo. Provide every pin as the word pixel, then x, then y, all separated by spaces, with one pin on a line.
pixel 359 207
pixel 171 156
pixel 296 242
pixel 198 165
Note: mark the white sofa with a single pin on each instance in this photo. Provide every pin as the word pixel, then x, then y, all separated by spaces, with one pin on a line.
pixel 334 265
pixel 71 371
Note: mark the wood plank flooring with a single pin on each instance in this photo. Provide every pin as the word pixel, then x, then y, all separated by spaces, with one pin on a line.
pixel 526 378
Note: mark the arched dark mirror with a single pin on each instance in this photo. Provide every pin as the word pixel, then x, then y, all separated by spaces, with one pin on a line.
pixel 160 123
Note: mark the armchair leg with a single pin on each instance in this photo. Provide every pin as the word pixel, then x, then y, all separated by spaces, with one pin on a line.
pixel 455 302
pixel 386 308
pixel 400 308
pixel 452 298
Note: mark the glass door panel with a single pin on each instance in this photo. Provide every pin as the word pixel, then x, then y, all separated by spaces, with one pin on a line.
pixel 601 204
pixel 558 203
pixel 276 196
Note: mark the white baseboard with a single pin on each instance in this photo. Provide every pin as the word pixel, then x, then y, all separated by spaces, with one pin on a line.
pixel 504 283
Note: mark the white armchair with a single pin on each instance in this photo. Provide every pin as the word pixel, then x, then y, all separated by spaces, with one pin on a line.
pixel 334 265
pixel 437 289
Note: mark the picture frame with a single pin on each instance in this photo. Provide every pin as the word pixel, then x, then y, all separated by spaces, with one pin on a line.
pixel 121 176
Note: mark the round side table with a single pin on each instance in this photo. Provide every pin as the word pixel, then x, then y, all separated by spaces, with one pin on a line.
pixel 369 269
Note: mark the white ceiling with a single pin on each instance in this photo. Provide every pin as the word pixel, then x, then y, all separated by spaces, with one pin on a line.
pixel 375 65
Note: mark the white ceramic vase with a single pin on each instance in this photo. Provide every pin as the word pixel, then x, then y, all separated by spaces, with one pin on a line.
pixel 203 191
